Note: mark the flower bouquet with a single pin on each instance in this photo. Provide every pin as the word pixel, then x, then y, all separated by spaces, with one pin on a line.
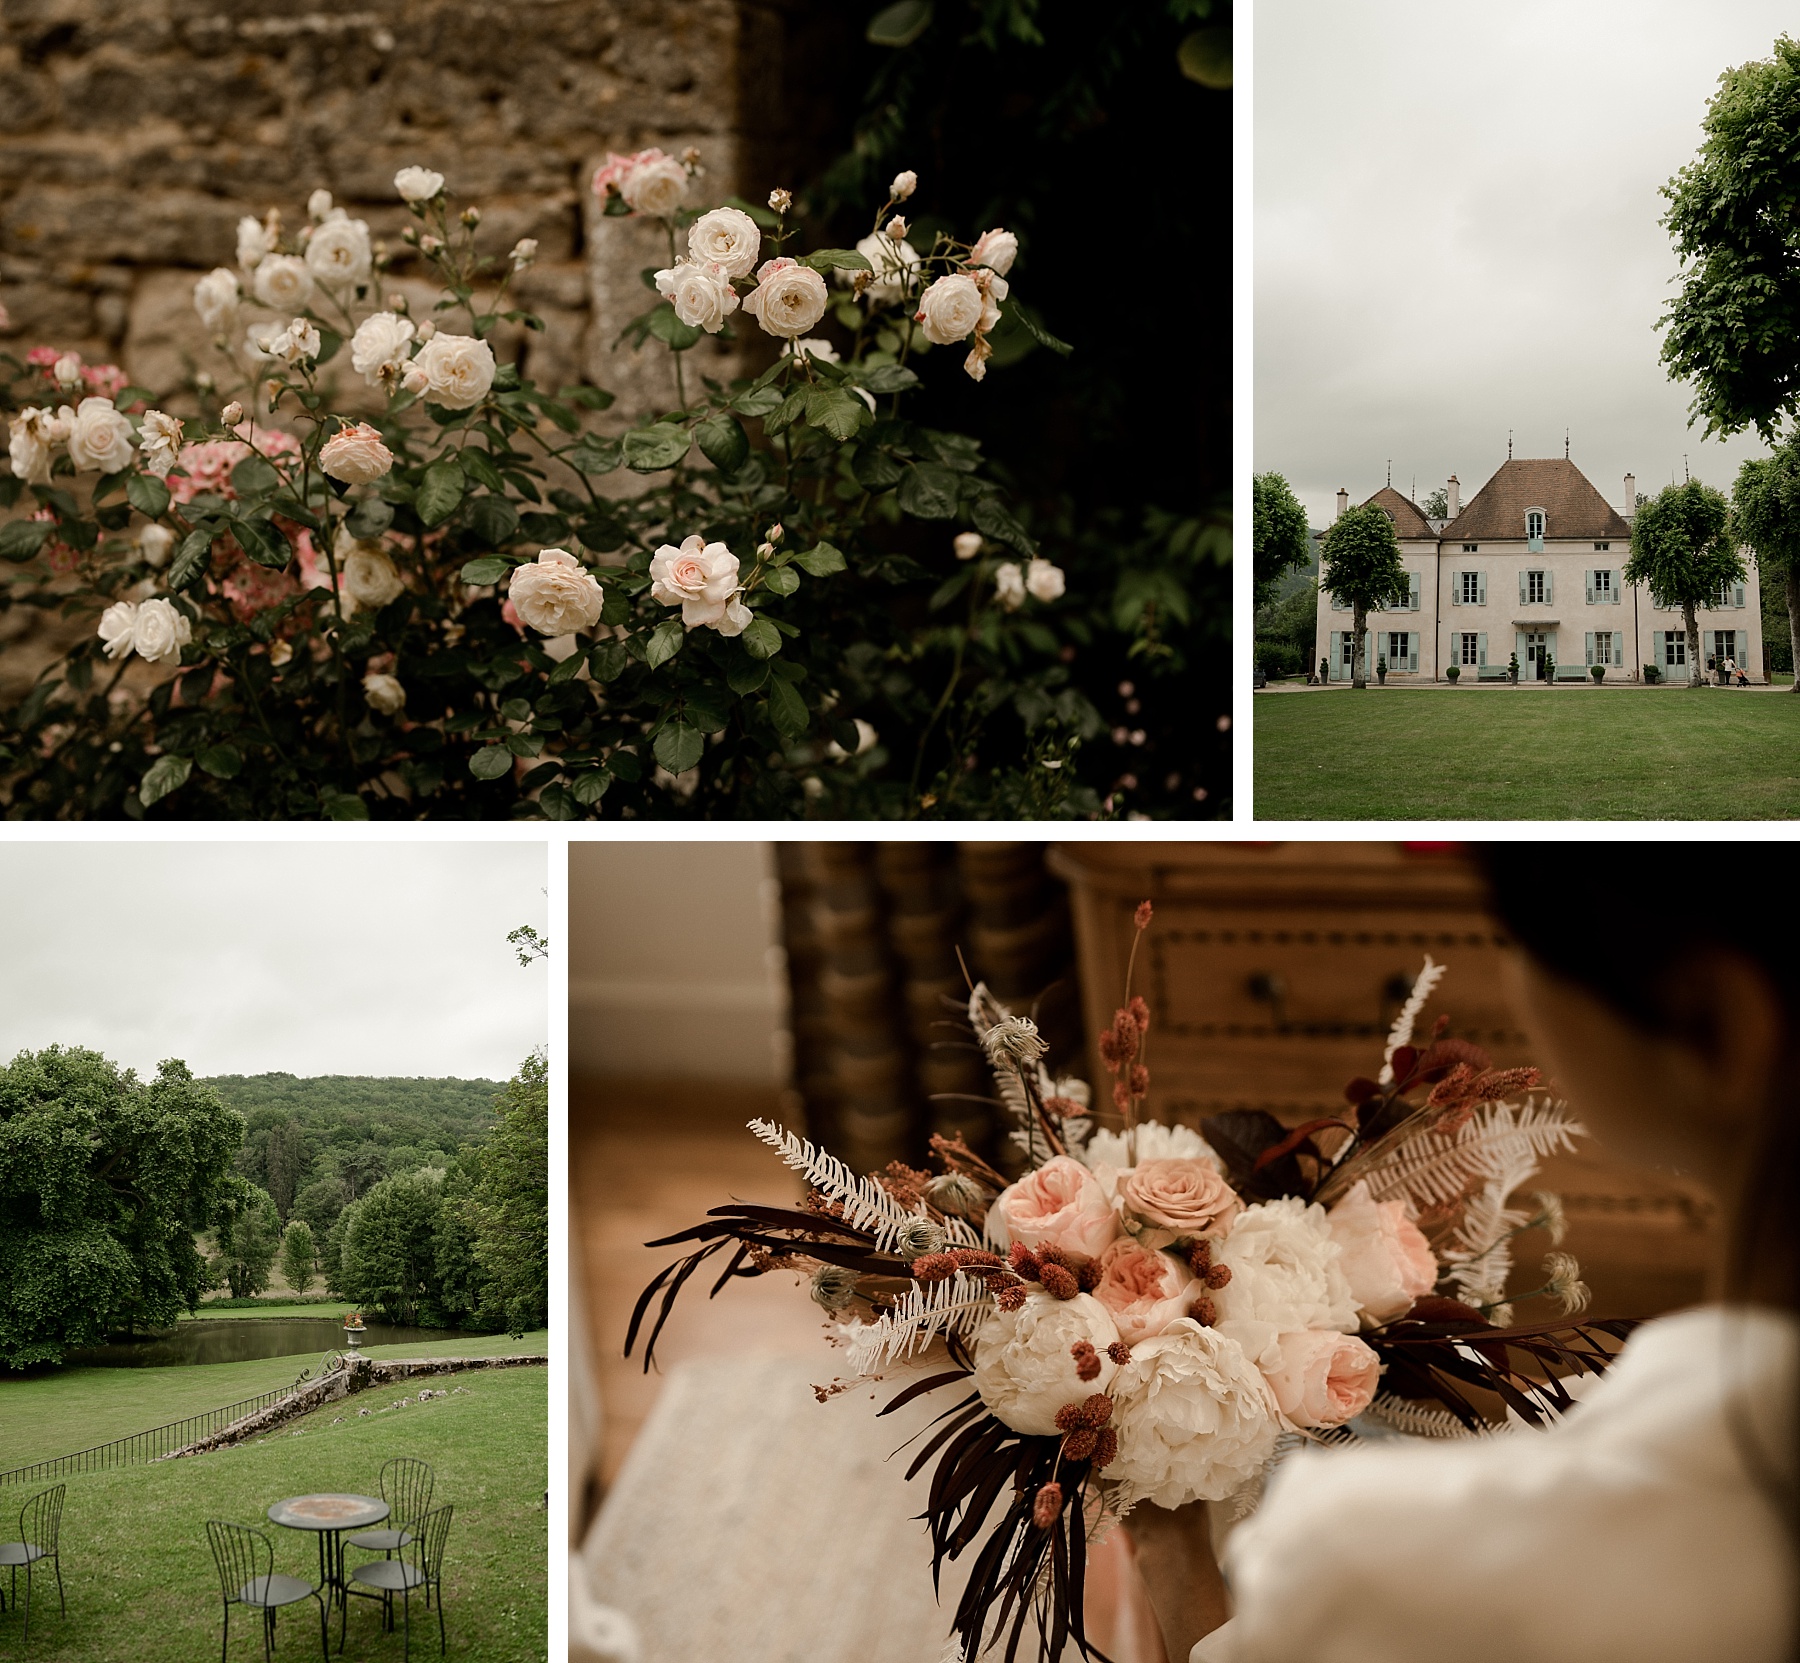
pixel 1153 1313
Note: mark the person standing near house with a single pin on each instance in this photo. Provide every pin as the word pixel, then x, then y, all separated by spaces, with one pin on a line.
pixel 1731 672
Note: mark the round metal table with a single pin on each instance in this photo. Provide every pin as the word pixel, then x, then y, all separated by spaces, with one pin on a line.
pixel 329 1515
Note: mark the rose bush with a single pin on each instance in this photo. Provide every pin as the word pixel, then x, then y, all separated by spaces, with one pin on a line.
pixel 473 602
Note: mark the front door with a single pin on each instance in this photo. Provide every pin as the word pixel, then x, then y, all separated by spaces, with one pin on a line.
pixel 1531 661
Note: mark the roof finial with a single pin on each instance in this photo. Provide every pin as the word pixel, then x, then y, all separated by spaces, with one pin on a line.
pixel 1686 476
pixel 1565 444
pixel 1509 444
pixel 1390 473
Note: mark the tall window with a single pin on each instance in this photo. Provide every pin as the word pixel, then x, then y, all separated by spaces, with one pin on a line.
pixel 1469 649
pixel 1534 523
pixel 1603 653
pixel 1602 582
pixel 1674 647
pixel 1397 649
pixel 1471 587
pixel 1534 587
pixel 1726 644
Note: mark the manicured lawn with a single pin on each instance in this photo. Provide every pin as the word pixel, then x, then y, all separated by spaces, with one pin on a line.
pixel 61 1411
pixel 1553 754
pixel 210 1313
pixel 140 1577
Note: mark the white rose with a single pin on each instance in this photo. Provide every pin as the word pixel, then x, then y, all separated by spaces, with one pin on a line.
pixel 1384 1255
pixel 99 437
pixel 1009 586
pixel 699 577
pixel 815 347
pixel 318 205
pixel 338 251
pixel 737 618
pixel 418 184
pixel 35 434
pixel 452 370
pixel 300 340
pixel 1152 1141
pixel 557 596
pixel 996 249
pixel 524 251
pixel 254 244
pixel 117 623
pixel 155 542
pixel 904 185
pixel 726 237
pixel 159 442
pixel 1024 1369
pixel 1285 1276
pixel 700 294
pixel 66 371
pixel 893 262
pixel 216 297
pixel 381 346
pixel 284 283
pixel 968 544
pixel 160 632
pixel 1195 1420
pixel 1043 581
pixel 383 693
pixel 356 455
pixel 950 309
pixel 1323 1378
pixel 654 185
pixel 788 298
pixel 369 578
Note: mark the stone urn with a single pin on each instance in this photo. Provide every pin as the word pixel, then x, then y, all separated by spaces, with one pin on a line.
pixel 353 1331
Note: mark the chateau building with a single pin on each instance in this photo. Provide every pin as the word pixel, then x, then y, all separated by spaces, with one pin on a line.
pixel 1533 567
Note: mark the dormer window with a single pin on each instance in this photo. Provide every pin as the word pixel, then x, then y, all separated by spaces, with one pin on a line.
pixel 1534 522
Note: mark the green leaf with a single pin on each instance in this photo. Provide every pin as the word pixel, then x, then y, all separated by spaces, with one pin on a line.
pixel 567 670
pixel 21 539
pixel 668 328
pixel 678 747
pixel 992 519
pixel 490 762
pixel 837 259
pixel 876 470
pixel 167 773
pixel 594 456
pixel 479 466
pixel 781 580
pixel 821 560
pixel 787 710
pixel 744 679
pixel 190 558
pixel 253 477
pixel 665 642
pixel 554 800
pixel 651 449
pixel 723 442
pixel 329 343
pixel 494 520
pixel 707 708
pixel 788 413
pixel 900 24
pixel 439 492
pixel 343 805
pixel 221 761
pixel 147 494
pixel 590 787
pixel 928 492
pixel 1038 332
pixel 759 401
pixel 10 487
pixel 837 410
pixel 489 569
pixel 607 661
pixel 949 589
pixel 263 542
pixel 762 638
pixel 369 518
pixel 890 378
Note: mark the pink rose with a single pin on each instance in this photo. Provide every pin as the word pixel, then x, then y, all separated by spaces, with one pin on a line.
pixel 1145 1290
pixel 1059 1205
pixel 1323 1379
pixel 356 455
pixel 1384 1257
pixel 1177 1197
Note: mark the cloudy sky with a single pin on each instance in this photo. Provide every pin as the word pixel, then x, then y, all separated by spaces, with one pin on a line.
pixel 248 958
pixel 1457 233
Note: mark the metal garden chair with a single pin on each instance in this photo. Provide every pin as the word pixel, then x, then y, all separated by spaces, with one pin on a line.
pixel 40 1521
pixel 406 1485
pixel 420 1565
pixel 246 1562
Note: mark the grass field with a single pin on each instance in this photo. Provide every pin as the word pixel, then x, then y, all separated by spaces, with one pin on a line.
pixel 1555 754
pixel 62 1411
pixel 140 1577
pixel 212 1313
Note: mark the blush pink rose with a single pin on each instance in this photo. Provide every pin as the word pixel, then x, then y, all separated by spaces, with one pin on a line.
pixel 356 455
pixel 1324 1378
pixel 1059 1205
pixel 1145 1290
pixel 1382 1253
pixel 1176 1198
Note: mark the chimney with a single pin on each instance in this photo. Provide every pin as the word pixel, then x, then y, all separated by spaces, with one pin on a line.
pixel 1343 502
pixel 1630 495
pixel 1454 491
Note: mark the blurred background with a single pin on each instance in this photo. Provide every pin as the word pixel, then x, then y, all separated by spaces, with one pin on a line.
pixel 817 984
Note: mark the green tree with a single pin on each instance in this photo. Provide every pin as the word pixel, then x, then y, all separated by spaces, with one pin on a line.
pixel 1734 326
pixel 246 1237
pixel 319 1204
pixel 103 1179
pixel 509 1208
pixel 298 1267
pixel 287 1158
pixel 1283 538
pixel 388 1257
pixel 1359 566
pixel 1765 517
pixel 1681 552
pixel 1286 631
pixel 1436 505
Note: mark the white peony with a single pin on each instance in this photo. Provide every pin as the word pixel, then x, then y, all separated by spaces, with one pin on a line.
pixel 116 625
pixel 996 249
pixel 1152 1141
pixel 155 543
pixel 452 370
pixel 159 632
pixel 381 346
pixel 726 237
pixel 1195 1420
pixel 384 694
pixel 254 244
pixel 950 310
pixel 702 296
pixel 1285 1276
pixel 1009 586
pixel 1385 1257
pixel 369 578
pixel 159 442
pixel 99 437
pixel 284 283
pixel 338 251
pixel 788 298
pixel 418 184
pixel 557 596
pixel 1043 581
pixel 701 578
pixel 893 262
pixel 654 185
pixel 36 432
pixel 1024 1369
pixel 216 297
pixel 356 456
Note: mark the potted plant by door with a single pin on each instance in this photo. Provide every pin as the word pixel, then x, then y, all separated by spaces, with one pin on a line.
pixel 1512 670
pixel 1381 671
pixel 1547 668
pixel 1598 672
pixel 1453 674
pixel 1324 671
pixel 1652 675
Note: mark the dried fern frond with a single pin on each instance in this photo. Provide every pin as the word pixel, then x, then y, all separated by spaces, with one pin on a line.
pixel 1402 1031
pixel 1479 1256
pixel 957 1305
pixel 867 1206
pixel 1431 1169
pixel 1416 1420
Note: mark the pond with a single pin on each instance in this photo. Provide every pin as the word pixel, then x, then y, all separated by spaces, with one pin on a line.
pixel 242 1340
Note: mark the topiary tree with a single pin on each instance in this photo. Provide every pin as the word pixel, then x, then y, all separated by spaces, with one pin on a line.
pixel 246 1238
pixel 1283 538
pixel 1765 517
pixel 1359 566
pixel 298 1256
pixel 1681 552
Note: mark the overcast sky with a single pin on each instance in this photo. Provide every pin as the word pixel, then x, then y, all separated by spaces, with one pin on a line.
pixel 251 958
pixel 1457 232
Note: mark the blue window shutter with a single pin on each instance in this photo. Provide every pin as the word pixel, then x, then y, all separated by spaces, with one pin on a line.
pixel 1590 587
pixel 1521 588
pixel 1456 588
pixel 1335 653
pixel 1481 588
pixel 1590 646
pixel 1413 598
pixel 1548 595
pixel 1412 650
pixel 1737 595
pixel 1480 650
